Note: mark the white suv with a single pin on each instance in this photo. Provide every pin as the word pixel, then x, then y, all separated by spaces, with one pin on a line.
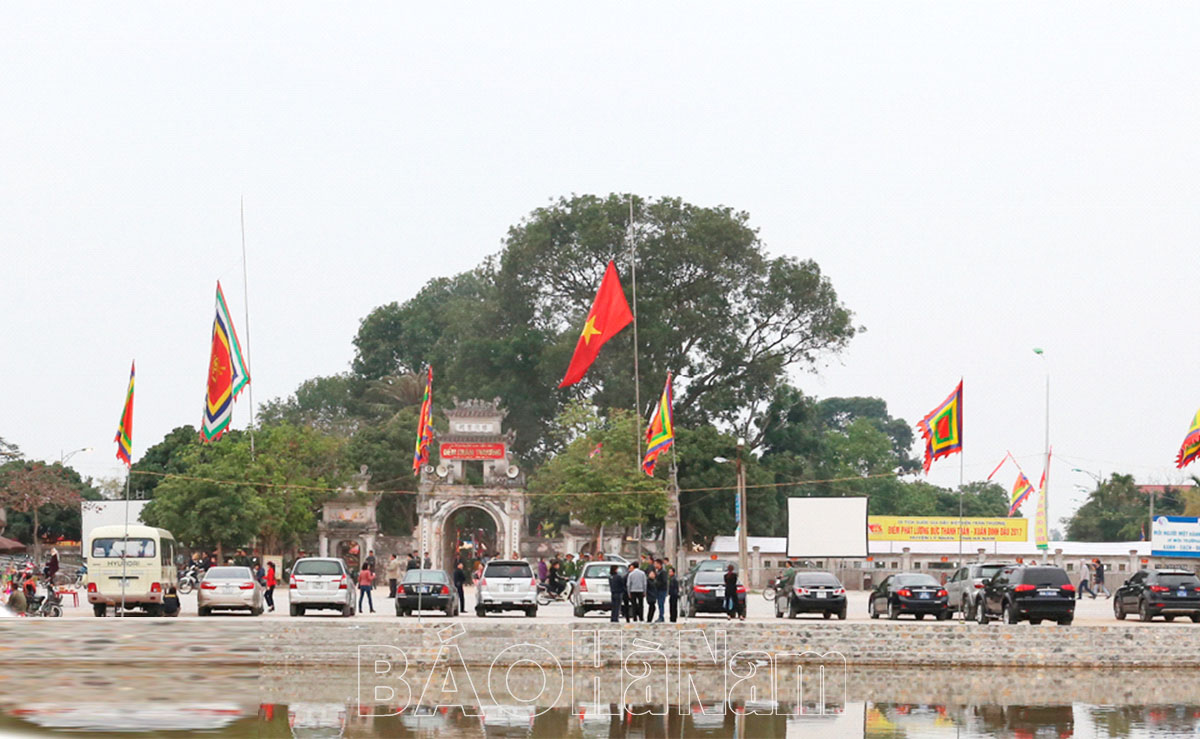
pixel 592 593
pixel 506 585
pixel 320 582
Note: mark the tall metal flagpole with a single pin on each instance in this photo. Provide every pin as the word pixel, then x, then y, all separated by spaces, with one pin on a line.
pixel 637 394
pixel 246 304
pixel 125 542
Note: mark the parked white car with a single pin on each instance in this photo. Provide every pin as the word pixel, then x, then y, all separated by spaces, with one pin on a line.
pixel 593 594
pixel 320 582
pixel 506 585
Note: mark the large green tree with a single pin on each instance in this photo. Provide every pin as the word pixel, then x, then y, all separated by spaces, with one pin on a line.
pixel 713 307
pixel 34 488
pixel 1117 511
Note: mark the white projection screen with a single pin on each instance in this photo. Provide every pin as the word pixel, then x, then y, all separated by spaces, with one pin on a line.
pixel 827 527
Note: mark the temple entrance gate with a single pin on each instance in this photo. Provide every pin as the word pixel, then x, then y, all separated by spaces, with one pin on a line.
pixel 448 495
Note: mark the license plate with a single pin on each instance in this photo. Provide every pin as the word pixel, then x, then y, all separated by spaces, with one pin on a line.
pixel 509 588
pixel 226 588
pixel 318 586
pixel 719 592
pixel 924 596
pixel 1048 592
pixel 425 588
pixel 820 593
pixel 1182 593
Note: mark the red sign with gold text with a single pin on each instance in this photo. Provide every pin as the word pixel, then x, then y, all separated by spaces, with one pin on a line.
pixel 471 450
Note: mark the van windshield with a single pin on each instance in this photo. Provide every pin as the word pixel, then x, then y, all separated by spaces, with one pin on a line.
pixel 117 547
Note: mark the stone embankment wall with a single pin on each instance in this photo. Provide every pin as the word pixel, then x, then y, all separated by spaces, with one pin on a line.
pixel 324 642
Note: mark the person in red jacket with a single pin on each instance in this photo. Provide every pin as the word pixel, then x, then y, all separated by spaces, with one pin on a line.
pixel 269 586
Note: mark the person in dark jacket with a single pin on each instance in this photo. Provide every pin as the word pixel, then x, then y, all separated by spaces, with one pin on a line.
pixel 460 579
pixel 616 589
pixel 651 593
pixel 673 593
pixel 731 599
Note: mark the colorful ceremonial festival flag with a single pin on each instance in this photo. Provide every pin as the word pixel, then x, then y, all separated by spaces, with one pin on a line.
pixel 1190 450
pixel 661 433
pixel 1042 538
pixel 609 314
pixel 424 426
pixel 596 450
pixel 1021 491
pixel 942 428
pixel 124 436
pixel 227 373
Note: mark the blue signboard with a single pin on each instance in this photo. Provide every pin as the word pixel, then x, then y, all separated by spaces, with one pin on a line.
pixel 1175 536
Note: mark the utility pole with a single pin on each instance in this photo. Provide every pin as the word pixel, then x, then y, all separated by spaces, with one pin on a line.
pixel 741 500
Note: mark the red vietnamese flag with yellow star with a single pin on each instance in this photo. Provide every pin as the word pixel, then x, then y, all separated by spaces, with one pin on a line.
pixel 609 314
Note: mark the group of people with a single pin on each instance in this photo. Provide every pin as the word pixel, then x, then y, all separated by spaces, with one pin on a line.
pixel 20 584
pixel 1091 579
pixel 267 576
pixel 640 588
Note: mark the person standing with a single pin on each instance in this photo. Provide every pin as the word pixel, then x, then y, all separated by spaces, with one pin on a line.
pixel 651 593
pixel 392 571
pixel 269 589
pixel 366 578
pixel 427 562
pixel 412 563
pixel 673 593
pixel 635 582
pixel 370 561
pixel 1098 568
pixel 660 592
pixel 460 579
pixel 731 599
pixel 542 569
pixel 1085 578
pixel 616 590
pixel 52 565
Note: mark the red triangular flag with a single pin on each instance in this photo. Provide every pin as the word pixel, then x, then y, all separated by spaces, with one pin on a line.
pixel 609 314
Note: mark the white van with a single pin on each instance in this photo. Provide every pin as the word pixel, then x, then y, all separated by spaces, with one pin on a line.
pixel 143 558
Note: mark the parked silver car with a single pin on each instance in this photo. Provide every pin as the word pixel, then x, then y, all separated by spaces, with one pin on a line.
pixel 592 593
pixel 966 585
pixel 320 582
pixel 506 585
pixel 229 589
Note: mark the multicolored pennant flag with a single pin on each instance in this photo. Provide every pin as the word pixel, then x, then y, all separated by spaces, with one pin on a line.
pixel 1040 533
pixel 227 373
pixel 1190 450
pixel 596 451
pixel 124 436
pixel 424 426
pixel 609 314
pixel 942 428
pixel 661 433
pixel 1021 491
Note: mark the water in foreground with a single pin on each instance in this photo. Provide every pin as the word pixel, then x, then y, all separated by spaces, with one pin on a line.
pixel 870 702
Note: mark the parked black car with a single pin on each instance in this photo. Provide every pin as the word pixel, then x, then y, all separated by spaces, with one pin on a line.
pixel 810 592
pixel 707 594
pixel 909 593
pixel 426 590
pixel 1166 593
pixel 1032 594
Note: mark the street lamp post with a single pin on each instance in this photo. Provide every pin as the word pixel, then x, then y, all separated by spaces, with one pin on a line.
pixel 63 458
pixel 739 507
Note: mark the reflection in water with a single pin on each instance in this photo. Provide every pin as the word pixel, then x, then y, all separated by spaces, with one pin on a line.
pixel 105 701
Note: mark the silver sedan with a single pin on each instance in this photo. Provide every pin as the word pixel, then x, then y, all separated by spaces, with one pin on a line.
pixel 229 589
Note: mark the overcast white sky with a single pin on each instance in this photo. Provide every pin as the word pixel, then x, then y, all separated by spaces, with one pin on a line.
pixel 975 180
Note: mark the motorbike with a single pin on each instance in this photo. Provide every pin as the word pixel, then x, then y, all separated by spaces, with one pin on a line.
pixel 546 597
pixel 48 605
pixel 189 578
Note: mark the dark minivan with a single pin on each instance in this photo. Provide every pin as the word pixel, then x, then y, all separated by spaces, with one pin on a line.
pixel 1030 594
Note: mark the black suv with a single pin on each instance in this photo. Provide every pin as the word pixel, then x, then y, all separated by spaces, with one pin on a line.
pixel 1020 593
pixel 1166 593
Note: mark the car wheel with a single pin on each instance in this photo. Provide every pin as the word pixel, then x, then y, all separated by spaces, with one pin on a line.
pixel 1035 621
pixel 944 616
pixel 793 609
pixel 919 616
pixel 893 610
pixel 1010 614
pixel 1144 611
pixel 981 616
pixel 300 610
pixel 293 611
pixel 531 612
pixel 842 614
pixel 1118 610
pixel 965 610
pixel 827 615
pixel 449 611
pixel 204 612
pixel 871 609
pixel 480 612
pixel 256 611
pixel 579 612
pixel 100 610
pixel 1168 619
pixel 1066 620
pixel 347 611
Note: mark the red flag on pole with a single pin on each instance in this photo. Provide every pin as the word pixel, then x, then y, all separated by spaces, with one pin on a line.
pixel 609 314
